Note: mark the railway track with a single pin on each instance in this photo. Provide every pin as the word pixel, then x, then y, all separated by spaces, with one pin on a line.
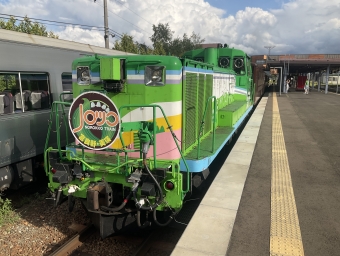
pixel 74 242
pixel 159 241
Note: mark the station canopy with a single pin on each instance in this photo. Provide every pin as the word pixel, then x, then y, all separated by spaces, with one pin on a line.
pixel 305 63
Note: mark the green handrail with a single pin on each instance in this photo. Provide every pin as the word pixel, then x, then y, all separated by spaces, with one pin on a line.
pixel 55 110
pixel 63 93
pixel 202 125
pixel 56 113
pixel 118 166
pixel 154 135
pixel 62 107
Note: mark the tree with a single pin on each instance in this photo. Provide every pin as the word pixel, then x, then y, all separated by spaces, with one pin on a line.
pixel 27 26
pixel 143 49
pixel 162 41
pixel 7 81
pixel 179 46
pixel 176 47
pixel 196 40
pixel 158 49
pixel 162 36
pixel 126 44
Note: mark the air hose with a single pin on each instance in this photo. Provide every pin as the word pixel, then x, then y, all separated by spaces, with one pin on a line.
pixel 161 224
pixel 58 196
pixel 145 224
pixel 160 199
pixel 116 209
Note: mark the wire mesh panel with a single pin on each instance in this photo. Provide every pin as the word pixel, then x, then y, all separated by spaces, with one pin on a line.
pixel 201 102
pixel 208 93
pixel 190 109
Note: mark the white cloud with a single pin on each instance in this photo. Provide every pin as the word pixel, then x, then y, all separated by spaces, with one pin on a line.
pixel 300 26
pixel 92 37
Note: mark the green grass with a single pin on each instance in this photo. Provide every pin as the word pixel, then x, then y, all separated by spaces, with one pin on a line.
pixel 7 214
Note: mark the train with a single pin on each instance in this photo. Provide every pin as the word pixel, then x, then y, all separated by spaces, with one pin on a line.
pixel 144 131
pixel 34 72
pixel 333 79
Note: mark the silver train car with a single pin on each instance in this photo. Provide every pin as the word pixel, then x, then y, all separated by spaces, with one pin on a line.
pixel 34 71
pixel 333 79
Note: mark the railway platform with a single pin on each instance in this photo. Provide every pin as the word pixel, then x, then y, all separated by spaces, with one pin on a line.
pixel 278 192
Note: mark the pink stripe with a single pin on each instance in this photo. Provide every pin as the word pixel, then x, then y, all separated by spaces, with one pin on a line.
pixel 166 147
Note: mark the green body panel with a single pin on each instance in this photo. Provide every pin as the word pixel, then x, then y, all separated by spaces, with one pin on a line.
pixel 110 69
pixel 213 56
pixel 133 93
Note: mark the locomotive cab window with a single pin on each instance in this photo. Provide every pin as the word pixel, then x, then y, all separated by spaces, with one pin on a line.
pixel 154 75
pixel 24 91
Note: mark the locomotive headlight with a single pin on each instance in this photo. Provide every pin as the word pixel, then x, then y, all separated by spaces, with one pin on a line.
pixel 238 62
pixel 154 75
pixel 83 75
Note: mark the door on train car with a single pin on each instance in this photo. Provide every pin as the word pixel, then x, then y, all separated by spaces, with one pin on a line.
pixel 300 85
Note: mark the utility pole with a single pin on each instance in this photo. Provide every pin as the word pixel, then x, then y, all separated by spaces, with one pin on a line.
pixel 106 26
pixel 269 48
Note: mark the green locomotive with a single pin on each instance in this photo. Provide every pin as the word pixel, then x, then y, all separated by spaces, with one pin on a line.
pixel 146 129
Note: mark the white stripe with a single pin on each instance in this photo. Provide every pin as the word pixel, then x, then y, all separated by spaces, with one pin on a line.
pixel 145 114
pixel 141 77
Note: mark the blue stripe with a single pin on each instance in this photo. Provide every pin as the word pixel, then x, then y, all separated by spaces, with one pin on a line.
pixel 174 72
pixel 198 70
pixel 135 72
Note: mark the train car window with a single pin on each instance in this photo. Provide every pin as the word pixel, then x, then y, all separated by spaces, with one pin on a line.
pixel 30 91
pixel 7 87
pixel 66 80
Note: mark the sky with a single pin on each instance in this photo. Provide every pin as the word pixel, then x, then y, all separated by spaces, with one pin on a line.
pixel 287 26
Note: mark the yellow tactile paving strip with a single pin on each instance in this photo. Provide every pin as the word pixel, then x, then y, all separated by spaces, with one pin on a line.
pixel 285 234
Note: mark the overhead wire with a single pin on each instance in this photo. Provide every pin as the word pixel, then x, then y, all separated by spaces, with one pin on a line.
pixel 133 12
pixel 50 22
pixel 123 18
pixel 60 23
pixel 57 23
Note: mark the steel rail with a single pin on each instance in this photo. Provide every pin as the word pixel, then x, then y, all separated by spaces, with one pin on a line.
pixel 74 242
